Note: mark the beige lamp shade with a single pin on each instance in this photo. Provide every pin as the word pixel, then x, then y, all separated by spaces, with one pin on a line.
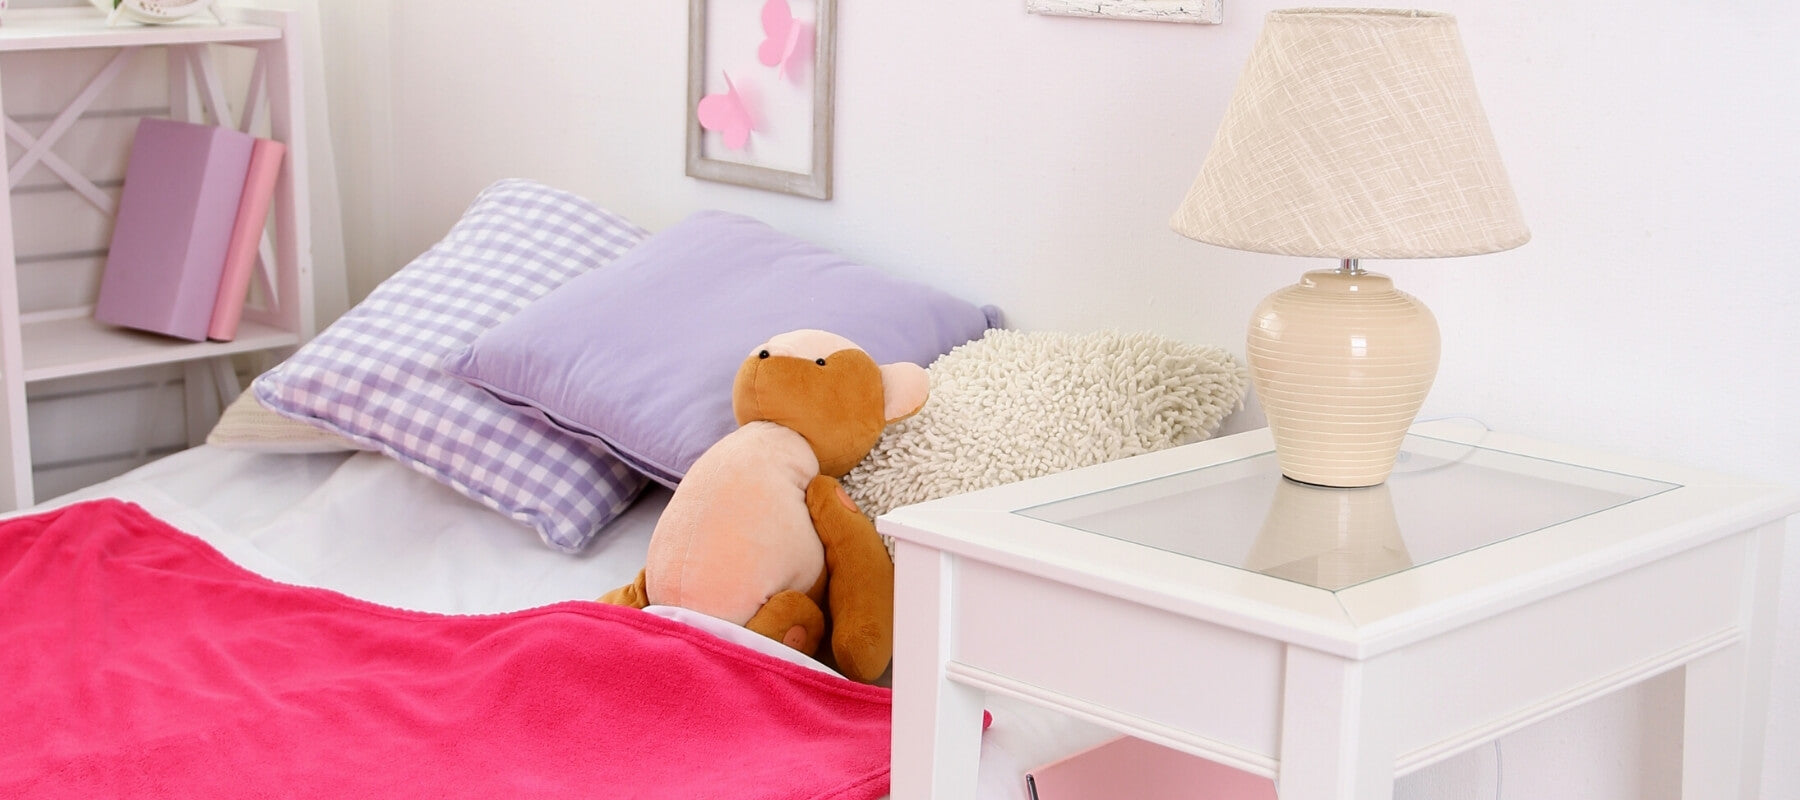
pixel 1352 134
pixel 1355 133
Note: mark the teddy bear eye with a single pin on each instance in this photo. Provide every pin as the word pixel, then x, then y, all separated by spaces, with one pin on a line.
pixel 819 361
pixel 763 354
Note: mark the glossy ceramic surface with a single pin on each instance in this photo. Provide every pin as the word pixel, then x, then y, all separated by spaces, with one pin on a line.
pixel 1341 362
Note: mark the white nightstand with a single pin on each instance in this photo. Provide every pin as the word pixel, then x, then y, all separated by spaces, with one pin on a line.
pixel 1333 639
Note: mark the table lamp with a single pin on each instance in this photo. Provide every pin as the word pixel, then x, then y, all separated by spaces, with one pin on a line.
pixel 1352 134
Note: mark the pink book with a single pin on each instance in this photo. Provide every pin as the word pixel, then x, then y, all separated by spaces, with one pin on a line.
pixel 176 213
pixel 1133 768
pixel 246 235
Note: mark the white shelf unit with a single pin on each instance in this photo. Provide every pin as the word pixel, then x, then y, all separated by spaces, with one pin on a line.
pixel 45 344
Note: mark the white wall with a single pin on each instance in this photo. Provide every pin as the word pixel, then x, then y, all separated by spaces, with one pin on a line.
pixel 1032 162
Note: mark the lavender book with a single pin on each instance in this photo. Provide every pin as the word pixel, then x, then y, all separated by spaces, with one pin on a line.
pixel 176 212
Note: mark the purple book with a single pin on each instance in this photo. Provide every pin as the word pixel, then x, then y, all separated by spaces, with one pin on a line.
pixel 176 212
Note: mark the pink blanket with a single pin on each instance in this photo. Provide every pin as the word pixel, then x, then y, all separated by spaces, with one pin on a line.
pixel 136 661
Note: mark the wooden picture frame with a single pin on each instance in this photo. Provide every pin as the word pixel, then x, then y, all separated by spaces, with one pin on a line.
pixel 788 103
pixel 1205 12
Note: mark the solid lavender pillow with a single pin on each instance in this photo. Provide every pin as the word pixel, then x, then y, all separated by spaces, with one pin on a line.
pixel 640 356
pixel 372 377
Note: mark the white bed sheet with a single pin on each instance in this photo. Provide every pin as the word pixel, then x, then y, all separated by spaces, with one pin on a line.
pixel 367 526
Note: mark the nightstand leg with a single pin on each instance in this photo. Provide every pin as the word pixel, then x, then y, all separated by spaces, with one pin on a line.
pixel 1713 726
pixel 937 723
pixel 1337 738
pixel 1726 690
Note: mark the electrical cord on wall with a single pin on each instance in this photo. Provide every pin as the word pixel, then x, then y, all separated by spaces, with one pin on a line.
pixel 1499 761
pixel 1472 447
pixel 1499 770
pixel 1463 418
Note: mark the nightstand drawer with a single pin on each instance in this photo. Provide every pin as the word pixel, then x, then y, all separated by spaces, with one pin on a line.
pixel 1476 682
pixel 1162 668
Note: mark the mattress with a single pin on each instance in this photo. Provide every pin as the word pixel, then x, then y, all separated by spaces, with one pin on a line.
pixel 369 527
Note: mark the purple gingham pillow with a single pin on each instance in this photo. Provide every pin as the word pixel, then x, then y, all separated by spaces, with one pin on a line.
pixel 374 375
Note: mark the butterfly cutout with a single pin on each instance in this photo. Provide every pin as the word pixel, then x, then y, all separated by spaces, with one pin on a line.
pixel 728 114
pixel 788 43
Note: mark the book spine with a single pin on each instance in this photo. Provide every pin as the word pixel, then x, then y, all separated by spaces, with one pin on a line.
pixel 246 236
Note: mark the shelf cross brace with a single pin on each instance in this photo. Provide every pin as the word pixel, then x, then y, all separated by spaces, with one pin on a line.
pixel 37 148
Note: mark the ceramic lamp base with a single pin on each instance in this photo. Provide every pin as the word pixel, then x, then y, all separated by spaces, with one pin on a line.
pixel 1341 362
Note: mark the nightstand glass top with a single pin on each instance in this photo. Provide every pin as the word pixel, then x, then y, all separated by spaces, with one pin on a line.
pixel 1443 498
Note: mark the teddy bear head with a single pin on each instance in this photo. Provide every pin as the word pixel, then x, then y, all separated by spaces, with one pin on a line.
pixel 825 388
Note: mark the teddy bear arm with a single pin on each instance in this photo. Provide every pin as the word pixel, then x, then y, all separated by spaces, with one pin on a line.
pixel 791 618
pixel 631 594
pixel 860 594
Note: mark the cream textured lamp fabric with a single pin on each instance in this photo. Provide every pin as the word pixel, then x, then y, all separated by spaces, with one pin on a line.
pixel 1355 134
pixel 247 425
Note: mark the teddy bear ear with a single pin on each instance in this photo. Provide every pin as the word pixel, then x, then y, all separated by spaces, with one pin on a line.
pixel 904 387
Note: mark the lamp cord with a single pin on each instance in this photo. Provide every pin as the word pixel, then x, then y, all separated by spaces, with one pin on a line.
pixel 1499 770
pixel 1471 447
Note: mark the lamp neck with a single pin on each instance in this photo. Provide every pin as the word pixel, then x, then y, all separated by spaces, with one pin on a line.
pixel 1349 266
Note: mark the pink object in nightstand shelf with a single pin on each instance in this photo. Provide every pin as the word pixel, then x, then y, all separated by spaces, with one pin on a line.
pixel 1128 768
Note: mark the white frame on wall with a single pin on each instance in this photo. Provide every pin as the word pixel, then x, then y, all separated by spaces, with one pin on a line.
pixel 1206 12
pixel 707 158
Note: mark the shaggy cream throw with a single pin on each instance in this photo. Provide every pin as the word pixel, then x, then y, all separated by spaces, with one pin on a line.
pixel 1020 404
pixel 247 425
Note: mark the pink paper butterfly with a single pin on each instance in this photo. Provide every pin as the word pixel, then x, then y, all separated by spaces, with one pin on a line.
pixel 728 114
pixel 789 41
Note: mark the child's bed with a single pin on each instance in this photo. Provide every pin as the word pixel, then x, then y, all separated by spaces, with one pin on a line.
pixel 364 525
pixel 391 489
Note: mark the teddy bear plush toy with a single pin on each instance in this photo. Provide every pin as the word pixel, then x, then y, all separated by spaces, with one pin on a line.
pixel 760 533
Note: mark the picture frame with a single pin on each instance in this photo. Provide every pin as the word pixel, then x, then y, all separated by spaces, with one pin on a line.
pixel 1204 12
pixel 760 86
